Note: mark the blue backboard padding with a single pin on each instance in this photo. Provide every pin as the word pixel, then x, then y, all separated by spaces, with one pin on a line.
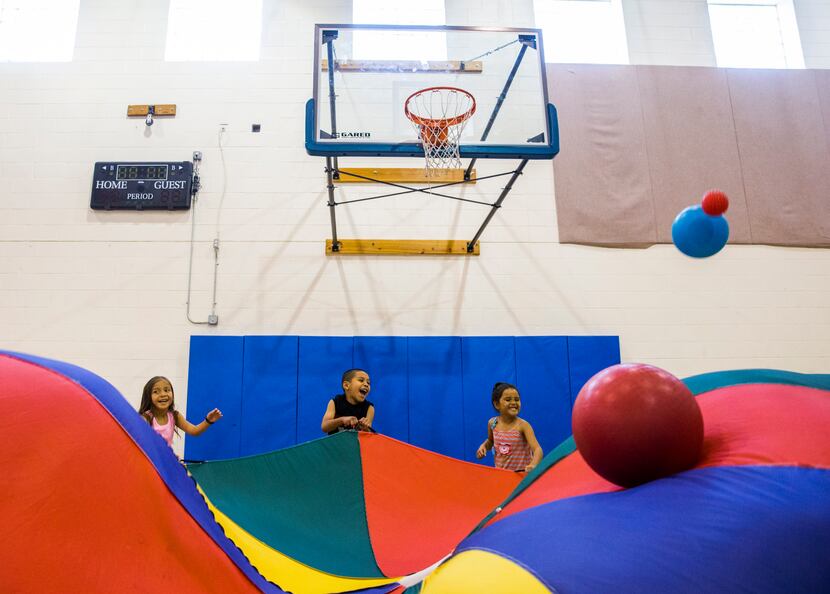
pixel 215 380
pixel 269 394
pixel 544 386
pixel 588 355
pixel 433 392
pixel 384 358
pixel 435 386
pixel 485 361
pixel 413 149
pixel 322 361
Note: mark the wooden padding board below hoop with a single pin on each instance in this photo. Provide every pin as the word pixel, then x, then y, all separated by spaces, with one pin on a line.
pixel 407 175
pixel 403 247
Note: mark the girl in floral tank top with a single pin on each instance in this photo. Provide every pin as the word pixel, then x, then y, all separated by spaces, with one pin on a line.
pixel 511 438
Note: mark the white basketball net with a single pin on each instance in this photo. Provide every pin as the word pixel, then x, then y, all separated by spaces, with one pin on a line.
pixel 439 116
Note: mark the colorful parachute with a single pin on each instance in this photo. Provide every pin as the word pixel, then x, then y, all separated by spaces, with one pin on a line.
pixel 356 505
pixel 100 500
pixel 97 502
pixel 752 516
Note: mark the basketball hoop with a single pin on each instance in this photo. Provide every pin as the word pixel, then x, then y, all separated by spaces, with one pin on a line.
pixel 439 115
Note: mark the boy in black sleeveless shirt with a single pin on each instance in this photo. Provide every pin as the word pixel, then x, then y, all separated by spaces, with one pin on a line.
pixel 350 410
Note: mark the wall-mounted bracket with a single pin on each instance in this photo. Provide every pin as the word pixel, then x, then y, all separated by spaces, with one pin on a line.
pixel 167 109
pixel 528 40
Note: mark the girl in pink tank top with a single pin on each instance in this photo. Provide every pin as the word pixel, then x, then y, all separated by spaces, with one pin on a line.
pixel 511 438
pixel 158 408
pixel 165 429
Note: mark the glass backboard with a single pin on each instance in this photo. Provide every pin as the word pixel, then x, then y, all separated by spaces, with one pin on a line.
pixel 357 106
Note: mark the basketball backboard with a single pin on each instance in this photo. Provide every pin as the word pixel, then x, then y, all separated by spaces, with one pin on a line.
pixel 357 108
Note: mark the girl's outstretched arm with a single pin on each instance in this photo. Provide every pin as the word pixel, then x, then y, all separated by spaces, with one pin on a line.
pixel 530 436
pixel 192 429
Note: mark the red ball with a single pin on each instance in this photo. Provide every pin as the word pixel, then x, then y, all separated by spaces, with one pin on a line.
pixel 714 203
pixel 634 423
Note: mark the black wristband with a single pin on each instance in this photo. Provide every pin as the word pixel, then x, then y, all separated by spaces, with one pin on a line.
pixel 208 421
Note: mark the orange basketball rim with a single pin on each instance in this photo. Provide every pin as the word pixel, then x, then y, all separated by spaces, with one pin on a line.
pixel 422 107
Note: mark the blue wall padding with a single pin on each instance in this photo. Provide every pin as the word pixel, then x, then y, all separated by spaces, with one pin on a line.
pixel 384 358
pixel 544 385
pixel 436 411
pixel 322 361
pixel 485 360
pixel 588 355
pixel 433 392
pixel 215 380
pixel 269 394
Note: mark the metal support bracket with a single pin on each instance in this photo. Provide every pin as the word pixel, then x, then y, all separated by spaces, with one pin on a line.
pixel 506 190
pixel 526 41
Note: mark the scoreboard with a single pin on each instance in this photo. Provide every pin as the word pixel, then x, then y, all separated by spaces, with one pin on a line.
pixel 142 185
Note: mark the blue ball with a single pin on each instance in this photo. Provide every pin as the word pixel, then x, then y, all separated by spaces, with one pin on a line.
pixel 698 234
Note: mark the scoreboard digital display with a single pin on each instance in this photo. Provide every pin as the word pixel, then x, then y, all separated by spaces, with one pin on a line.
pixel 142 186
pixel 139 171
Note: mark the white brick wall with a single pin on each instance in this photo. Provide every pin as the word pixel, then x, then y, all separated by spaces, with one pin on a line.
pixel 813 17
pixel 669 32
pixel 107 291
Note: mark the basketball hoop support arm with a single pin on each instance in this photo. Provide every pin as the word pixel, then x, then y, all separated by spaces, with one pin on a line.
pixel 328 39
pixel 497 205
pixel 332 167
pixel 526 41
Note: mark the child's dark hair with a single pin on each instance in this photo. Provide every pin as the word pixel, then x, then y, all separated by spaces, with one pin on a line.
pixel 146 406
pixel 350 373
pixel 499 389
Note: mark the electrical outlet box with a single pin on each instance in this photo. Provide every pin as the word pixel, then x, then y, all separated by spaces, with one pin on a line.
pixel 213 320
